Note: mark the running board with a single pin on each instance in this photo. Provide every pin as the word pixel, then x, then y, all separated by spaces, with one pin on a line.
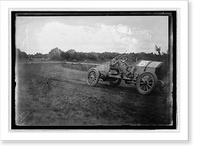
pixel 119 77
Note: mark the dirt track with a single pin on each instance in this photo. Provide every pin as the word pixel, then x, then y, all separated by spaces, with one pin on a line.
pixel 49 94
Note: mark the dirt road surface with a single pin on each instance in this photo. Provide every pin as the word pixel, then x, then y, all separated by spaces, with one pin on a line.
pixel 51 95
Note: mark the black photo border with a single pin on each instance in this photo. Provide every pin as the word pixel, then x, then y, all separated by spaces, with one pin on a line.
pixel 172 21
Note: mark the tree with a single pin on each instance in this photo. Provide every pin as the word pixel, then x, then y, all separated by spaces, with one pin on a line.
pixel 21 55
pixel 71 51
pixel 93 56
pixel 55 54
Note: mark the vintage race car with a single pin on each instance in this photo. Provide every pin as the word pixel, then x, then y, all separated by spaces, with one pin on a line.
pixel 146 75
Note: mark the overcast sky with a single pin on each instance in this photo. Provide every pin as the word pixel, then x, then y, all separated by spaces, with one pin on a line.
pixel 92 34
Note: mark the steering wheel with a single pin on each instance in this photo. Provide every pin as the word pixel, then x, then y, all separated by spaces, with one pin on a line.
pixel 122 60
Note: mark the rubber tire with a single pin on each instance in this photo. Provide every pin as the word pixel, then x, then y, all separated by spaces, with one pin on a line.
pixel 153 86
pixel 115 84
pixel 97 77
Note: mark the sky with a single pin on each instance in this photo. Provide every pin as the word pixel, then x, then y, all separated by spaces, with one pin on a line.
pixel 122 34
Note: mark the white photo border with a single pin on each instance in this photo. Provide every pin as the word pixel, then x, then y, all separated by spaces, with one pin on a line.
pixel 140 135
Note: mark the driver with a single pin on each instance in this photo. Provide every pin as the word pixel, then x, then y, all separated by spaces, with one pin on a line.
pixel 120 63
pixel 123 67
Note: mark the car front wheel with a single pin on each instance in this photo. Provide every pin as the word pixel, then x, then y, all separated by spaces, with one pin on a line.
pixel 146 83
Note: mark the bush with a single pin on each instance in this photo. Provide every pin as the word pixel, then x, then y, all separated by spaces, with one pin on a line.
pixel 72 55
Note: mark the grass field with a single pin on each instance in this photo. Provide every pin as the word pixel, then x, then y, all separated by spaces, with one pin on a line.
pixel 56 95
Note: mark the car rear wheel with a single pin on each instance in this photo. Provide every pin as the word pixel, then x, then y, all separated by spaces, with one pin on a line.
pixel 146 83
pixel 93 77
pixel 115 82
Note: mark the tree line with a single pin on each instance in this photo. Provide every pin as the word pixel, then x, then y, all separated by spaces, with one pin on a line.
pixel 71 55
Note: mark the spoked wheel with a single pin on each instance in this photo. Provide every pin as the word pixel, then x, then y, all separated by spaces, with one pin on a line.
pixel 115 82
pixel 146 83
pixel 92 77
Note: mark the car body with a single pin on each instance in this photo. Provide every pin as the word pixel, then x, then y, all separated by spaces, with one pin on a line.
pixel 144 74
